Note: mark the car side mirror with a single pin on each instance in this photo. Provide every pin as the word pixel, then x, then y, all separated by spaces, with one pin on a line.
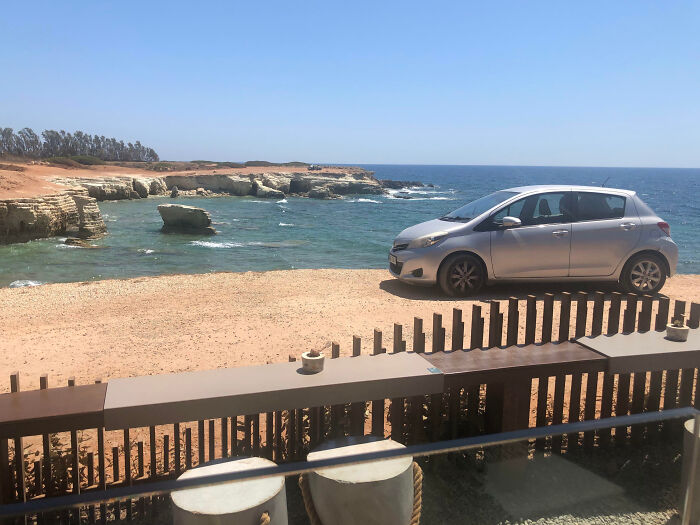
pixel 511 222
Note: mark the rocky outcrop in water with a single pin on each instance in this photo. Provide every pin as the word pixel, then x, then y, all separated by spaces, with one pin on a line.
pixel 272 185
pixel 185 219
pixel 74 213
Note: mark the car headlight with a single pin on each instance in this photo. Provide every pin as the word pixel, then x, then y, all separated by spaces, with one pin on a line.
pixel 429 240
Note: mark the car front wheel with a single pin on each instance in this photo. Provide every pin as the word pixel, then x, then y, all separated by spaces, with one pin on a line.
pixel 461 275
pixel 644 274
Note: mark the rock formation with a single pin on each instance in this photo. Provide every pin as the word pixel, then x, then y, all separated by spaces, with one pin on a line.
pixel 75 213
pixel 185 219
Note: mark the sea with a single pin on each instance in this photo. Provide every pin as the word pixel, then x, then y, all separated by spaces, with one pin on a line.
pixel 355 232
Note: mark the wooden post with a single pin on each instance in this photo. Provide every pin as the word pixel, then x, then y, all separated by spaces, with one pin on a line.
pixel 495 334
pixel 248 435
pixel 200 442
pixel 541 418
pixel 614 313
pixel 637 407
pixel 531 320
pixel 457 329
pixel 399 343
pixel 212 441
pixel 547 315
pixel 630 317
pixel 477 330
pixel 166 453
pixel 20 477
pixel 356 346
pixel 140 459
pixel 378 404
pixel 115 464
pixel 564 317
pixel 176 438
pixel 418 336
pixel 152 450
pixel 662 314
pixel 558 409
pixel 644 323
pixel 513 322
pixel 589 407
pixel 338 410
pixel 598 308
pixel 581 314
pixel 188 448
pixel 269 431
pixel 694 319
pixel 438 334
pixel 46 446
pixel 224 437
pixel 127 457
pixel 278 437
pixel 256 434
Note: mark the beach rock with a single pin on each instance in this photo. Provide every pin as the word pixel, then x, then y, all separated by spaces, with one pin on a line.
pixel 237 185
pixel 202 192
pixel 22 220
pixel 185 219
pixel 322 193
pixel 112 190
pixel 157 187
pixel 265 192
pixel 141 188
pixel 134 195
pixel 174 193
pixel 79 243
pixel 91 224
pixel 400 184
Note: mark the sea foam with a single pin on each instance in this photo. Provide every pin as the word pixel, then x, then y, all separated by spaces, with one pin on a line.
pixel 22 283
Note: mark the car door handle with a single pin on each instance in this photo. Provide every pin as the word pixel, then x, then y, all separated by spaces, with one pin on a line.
pixel 560 233
pixel 628 226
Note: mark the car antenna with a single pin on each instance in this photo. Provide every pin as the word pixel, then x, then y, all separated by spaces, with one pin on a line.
pixel 606 181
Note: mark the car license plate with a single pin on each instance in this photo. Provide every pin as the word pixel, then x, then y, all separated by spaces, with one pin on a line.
pixel 392 259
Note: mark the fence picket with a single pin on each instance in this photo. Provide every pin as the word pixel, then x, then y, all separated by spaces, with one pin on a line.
pixel 530 319
pixel 513 321
pixel 547 315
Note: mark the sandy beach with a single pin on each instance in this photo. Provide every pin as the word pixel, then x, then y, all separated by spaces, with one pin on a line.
pixel 157 325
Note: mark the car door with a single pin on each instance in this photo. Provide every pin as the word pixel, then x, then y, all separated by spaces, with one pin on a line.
pixel 606 229
pixel 540 246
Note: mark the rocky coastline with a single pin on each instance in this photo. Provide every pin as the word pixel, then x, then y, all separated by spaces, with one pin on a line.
pixel 74 211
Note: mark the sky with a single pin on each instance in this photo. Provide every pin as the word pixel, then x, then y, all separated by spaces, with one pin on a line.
pixel 593 83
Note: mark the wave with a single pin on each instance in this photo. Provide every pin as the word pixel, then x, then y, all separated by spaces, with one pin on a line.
pixel 262 244
pixel 391 197
pixel 145 251
pixel 283 201
pixel 67 246
pixel 365 200
pixel 285 224
pixel 22 283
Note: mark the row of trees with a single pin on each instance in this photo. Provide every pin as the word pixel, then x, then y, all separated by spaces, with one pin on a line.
pixel 26 143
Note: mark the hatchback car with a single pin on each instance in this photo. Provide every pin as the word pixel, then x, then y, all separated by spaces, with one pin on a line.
pixel 539 233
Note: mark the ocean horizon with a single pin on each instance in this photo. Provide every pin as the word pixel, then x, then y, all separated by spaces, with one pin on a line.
pixel 354 232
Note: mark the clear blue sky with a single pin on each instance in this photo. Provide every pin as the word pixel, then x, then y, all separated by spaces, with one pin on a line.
pixel 537 83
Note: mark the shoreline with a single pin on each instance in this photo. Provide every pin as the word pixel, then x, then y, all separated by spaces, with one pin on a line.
pixel 181 322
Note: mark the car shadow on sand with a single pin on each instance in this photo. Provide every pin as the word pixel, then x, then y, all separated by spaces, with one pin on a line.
pixel 498 291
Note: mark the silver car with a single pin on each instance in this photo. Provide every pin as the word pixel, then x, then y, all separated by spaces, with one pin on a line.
pixel 539 233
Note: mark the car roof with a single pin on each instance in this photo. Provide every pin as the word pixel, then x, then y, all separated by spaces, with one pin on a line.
pixel 568 187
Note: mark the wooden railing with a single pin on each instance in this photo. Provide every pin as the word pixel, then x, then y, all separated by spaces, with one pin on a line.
pixel 85 459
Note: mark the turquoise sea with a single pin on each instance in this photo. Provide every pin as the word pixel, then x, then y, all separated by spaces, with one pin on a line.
pixel 355 232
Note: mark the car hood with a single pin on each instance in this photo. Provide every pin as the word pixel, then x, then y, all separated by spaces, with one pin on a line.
pixel 428 228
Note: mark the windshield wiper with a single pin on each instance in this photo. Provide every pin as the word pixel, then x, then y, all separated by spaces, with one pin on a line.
pixel 448 218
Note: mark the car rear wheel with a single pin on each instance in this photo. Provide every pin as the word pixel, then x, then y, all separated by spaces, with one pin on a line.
pixel 644 274
pixel 461 275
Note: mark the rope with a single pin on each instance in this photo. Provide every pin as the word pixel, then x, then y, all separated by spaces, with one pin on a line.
pixel 417 497
pixel 265 518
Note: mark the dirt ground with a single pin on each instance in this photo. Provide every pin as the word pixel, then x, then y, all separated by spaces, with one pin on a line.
pixel 158 325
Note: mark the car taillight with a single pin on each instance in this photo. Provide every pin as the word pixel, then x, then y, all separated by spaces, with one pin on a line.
pixel 665 228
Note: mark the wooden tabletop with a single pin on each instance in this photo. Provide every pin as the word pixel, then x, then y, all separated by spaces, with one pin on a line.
pixel 647 351
pixel 192 396
pixel 473 367
pixel 51 410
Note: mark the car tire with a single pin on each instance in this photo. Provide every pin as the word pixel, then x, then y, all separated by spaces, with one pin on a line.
pixel 643 274
pixel 462 275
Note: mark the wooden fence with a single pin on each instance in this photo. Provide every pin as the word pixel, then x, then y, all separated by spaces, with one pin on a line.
pixel 86 459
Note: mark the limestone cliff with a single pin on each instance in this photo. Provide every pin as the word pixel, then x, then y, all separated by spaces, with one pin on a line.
pixel 73 213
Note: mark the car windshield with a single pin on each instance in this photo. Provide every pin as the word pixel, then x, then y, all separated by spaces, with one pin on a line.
pixel 479 206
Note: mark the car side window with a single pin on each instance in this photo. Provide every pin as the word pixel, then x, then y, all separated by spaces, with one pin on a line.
pixel 547 208
pixel 599 206
pixel 514 209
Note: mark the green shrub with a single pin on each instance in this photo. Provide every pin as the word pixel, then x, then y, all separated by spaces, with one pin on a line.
pixel 87 160
pixel 63 161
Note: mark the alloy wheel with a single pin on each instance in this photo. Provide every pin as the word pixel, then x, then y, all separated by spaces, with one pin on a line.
pixel 464 276
pixel 645 276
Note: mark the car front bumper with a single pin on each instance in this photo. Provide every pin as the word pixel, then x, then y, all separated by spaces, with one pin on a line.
pixel 414 266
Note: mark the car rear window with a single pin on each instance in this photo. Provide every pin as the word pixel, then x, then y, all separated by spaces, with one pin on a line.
pixel 598 206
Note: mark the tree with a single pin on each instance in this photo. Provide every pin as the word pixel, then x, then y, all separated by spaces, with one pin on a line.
pixel 53 143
